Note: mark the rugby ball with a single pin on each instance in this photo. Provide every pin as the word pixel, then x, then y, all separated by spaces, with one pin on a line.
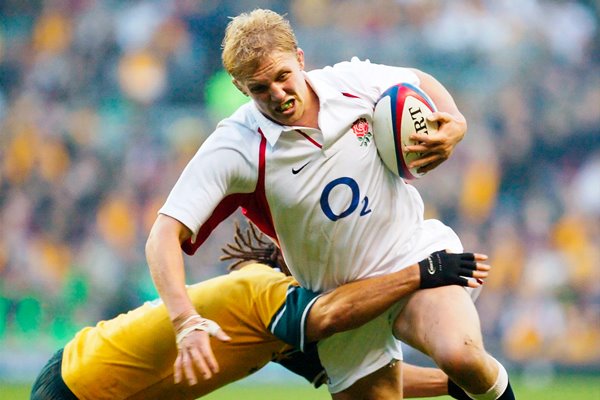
pixel 401 111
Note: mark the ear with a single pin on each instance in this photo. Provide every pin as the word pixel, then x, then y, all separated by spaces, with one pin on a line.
pixel 239 86
pixel 300 56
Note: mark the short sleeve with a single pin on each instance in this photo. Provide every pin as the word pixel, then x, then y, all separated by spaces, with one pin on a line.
pixel 289 322
pixel 225 164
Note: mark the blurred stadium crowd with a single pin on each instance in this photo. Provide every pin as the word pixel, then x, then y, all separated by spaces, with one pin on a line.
pixel 102 103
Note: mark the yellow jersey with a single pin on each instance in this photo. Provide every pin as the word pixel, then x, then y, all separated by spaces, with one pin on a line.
pixel 132 355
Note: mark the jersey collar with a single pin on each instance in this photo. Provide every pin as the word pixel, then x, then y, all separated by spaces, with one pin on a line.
pixel 272 130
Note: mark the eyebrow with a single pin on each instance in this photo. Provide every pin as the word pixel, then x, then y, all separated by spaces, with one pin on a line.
pixel 281 70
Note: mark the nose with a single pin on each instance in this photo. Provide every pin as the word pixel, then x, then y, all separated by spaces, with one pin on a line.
pixel 277 92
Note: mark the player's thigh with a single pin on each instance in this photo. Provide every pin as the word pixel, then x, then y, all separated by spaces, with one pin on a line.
pixel 439 319
pixel 383 384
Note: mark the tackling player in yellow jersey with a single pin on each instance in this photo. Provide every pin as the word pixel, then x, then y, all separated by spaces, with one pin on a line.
pixel 261 308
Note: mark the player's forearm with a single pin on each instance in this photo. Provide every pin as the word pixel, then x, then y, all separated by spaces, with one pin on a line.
pixel 440 95
pixel 356 303
pixel 165 260
pixel 353 304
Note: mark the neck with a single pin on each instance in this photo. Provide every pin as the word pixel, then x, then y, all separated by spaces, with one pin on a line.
pixel 311 114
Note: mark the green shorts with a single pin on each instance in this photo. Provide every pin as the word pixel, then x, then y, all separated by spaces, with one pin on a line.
pixel 49 384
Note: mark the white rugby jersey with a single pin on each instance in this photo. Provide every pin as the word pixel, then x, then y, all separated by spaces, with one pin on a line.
pixel 324 195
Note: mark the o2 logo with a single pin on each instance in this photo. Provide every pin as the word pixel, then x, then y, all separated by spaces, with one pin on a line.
pixel 347 184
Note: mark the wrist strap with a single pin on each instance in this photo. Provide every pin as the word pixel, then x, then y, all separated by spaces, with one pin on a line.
pixel 188 319
pixel 202 325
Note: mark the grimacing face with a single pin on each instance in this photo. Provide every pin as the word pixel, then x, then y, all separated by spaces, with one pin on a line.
pixel 279 89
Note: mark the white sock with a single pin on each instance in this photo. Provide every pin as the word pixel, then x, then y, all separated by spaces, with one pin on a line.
pixel 497 388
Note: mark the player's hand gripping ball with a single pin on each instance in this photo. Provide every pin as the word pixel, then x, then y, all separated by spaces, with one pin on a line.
pixel 401 111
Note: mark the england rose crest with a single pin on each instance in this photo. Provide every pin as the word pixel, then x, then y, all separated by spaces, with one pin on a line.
pixel 361 130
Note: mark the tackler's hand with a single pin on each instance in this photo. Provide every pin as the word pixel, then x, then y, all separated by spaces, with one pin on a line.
pixel 437 146
pixel 442 269
pixel 194 352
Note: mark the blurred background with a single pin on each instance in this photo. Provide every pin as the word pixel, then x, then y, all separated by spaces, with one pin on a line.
pixel 102 103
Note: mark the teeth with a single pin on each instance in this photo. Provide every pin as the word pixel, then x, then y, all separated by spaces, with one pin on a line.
pixel 286 105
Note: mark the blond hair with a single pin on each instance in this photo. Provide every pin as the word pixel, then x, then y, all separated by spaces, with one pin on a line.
pixel 250 37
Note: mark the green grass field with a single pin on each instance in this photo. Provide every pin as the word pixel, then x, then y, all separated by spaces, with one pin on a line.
pixel 561 388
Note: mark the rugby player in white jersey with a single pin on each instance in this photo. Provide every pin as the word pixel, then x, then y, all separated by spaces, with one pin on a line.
pixel 292 158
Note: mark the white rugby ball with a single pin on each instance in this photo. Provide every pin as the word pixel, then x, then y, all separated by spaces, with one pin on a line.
pixel 401 111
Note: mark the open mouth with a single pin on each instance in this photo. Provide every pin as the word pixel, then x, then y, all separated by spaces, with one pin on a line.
pixel 286 106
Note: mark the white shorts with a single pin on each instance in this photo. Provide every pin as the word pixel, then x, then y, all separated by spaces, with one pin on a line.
pixel 351 355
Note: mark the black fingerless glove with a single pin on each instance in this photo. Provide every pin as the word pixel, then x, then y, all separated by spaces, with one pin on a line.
pixel 441 269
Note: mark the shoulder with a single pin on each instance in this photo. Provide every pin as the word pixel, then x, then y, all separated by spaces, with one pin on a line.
pixel 235 139
pixel 258 282
pixel 260 273
pixel 353 67
pixel 363 77
pixel 266 283
pixel 240 126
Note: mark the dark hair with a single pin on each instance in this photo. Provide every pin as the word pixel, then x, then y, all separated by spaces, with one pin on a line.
pixel 252 245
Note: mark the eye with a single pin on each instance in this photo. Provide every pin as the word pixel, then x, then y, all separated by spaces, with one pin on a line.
pixel 258 89
pixel 283 76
